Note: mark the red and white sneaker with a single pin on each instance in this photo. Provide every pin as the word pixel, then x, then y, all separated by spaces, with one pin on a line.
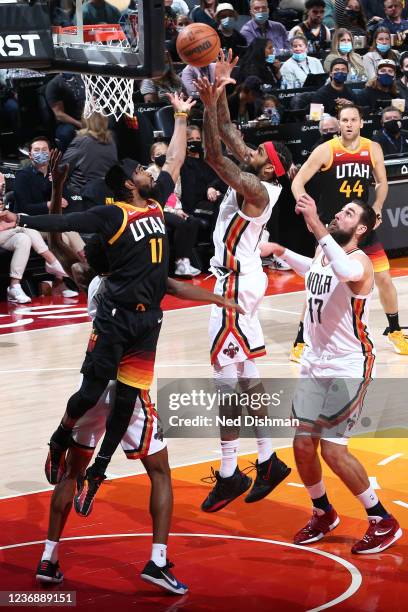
pixel 379 536
pixel 317 527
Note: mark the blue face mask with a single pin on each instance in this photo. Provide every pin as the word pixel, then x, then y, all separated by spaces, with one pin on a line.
pixel 299 57
pixel 345 47
pixel 228 23
pixel 339 77
pixel 383 48
pixel 270 58
pixel 261 17
pixel 386 80
pixel 40 157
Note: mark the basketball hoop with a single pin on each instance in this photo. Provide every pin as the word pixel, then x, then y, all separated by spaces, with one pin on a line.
pixel 108 95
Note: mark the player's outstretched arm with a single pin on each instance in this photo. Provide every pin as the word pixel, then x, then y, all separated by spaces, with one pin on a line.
pixel 185 291
pixel 319 158
pixel 299 263
pixel 248 185
pixel 176 152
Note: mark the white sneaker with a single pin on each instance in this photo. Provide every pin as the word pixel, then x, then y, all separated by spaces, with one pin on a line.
pixel 68 293
pixel 194 271
pixel 183 268
pixel 55 268
pixel 278 264
pixel 17 295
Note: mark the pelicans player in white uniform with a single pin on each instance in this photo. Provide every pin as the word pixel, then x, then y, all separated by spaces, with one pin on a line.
pixel 336 369
pixel 237 339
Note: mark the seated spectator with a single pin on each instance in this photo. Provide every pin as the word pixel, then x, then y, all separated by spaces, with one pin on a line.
pixel 402 83
pixel 181 22
pixel 180 7
pixel 295 70
pixel 244 103
pixel 99 11
pixel 380 49
pixel 260 61
pixel 205 13
pixel 313 28
pixel 156 89
pixel 382 87
pixel 261 27
pixel 170 20
pixel 328 128
pixel 394 21
pixel 335 94
pixel 200 186
pixel 190 74
pixel 65 95
pixel 393 140
pixel 353 17
pixel 184 228
pixel 342 46
pixel 32 189
pixel 91 153
pixel 226 18
pixel 271 109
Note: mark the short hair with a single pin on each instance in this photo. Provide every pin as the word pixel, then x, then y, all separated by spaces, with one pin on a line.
pixel 192 128
pixel 403 57
pixel 298 37
pixel 326 117
pixel 39 139
pixel 368 218
pixel 390 109
pixel 338 60
pixel 96 255
pixel 155 144
pixel 312 3
pixel 347 107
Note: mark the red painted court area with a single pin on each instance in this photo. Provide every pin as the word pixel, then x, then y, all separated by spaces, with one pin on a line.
pixel 238 559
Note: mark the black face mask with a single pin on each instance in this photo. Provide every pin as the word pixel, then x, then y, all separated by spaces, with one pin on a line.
pixel 405 73
pixel 195 146
pixel 351 14
pixel 160 160
pixel 392 127
pixel 327 137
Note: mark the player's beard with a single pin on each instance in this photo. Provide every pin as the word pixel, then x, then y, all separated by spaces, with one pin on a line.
pixel 342 237
pixel 147 192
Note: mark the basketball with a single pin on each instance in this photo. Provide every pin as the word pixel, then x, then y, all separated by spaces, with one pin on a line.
pixel 198 44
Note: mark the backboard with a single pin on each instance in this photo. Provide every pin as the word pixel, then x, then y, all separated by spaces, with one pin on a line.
pixel 37 35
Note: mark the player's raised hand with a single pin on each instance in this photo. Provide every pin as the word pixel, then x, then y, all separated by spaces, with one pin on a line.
pixel 271 248
pixel 7 220
pixel 209 92
pixel 180 103
pixel 306 206
pixel 58 173
pixel 224 67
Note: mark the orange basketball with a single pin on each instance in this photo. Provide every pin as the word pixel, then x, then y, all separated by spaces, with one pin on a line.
pixel 198 44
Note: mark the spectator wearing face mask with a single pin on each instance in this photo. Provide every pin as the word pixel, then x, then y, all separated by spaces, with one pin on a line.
pixel 313 28
pixel 181 22
pixel 380 50
pixel 382 87
pixel 328 128
pixel 260 61
pixel 295 70
pixel 183 227
pixel 226 18
pixel 402 83
pixel 350 14
pixel 261 27
pixel 342 46
pixel 393 139
pixel 335 94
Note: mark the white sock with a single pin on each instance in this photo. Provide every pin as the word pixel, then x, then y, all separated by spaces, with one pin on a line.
pixel 368 498
pixel 50 551
pixel 159 554
pixel 316 490
pixel 265 449
pixel 229 457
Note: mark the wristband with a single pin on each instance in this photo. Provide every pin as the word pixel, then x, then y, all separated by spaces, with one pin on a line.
pixel 181 114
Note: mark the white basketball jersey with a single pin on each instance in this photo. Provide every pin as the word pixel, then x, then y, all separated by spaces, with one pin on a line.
pixel 95 290
pixel 236 236
pixel 336 319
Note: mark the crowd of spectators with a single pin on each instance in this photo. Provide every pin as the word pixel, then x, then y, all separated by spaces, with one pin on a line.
pixel 327 52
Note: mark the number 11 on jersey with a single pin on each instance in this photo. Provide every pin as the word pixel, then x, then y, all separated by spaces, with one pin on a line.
pixel 156 245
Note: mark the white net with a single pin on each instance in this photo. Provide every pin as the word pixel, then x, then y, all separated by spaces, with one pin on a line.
pixel 108 95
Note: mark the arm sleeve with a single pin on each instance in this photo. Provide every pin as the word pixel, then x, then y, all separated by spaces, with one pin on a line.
pixel 164 187
pixel 345 268
pixel 104 220
pixel 299 263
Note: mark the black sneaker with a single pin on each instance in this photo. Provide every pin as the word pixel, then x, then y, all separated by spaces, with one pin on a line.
pixel 162 577
pixel 55 464
pixel 49 572
pixel 225 490
pixel 87 487
pixel 268 475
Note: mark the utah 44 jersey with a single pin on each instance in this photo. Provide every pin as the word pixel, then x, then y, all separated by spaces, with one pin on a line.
pixel 336 320
pixel 346 177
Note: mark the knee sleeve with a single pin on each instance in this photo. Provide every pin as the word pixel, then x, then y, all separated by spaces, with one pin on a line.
pixel 86 397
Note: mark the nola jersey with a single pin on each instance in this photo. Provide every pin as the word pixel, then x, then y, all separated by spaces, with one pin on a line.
pixel 336 320
pixel 138 256
pixel 346 177
pixel 236 236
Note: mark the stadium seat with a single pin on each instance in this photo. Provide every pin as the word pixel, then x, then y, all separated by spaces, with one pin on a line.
pixel 164 121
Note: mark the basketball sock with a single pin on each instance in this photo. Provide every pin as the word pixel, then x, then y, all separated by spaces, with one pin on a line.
pixel 50 551
pixel 372 505
pixel 299 338
pixel 265 449
pixel 159 553
pixel 229 457
pixel 319 497
pixel 62 436
pixel 393 322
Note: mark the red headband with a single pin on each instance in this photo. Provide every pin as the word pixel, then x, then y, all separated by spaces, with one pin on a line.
pixel 274 158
